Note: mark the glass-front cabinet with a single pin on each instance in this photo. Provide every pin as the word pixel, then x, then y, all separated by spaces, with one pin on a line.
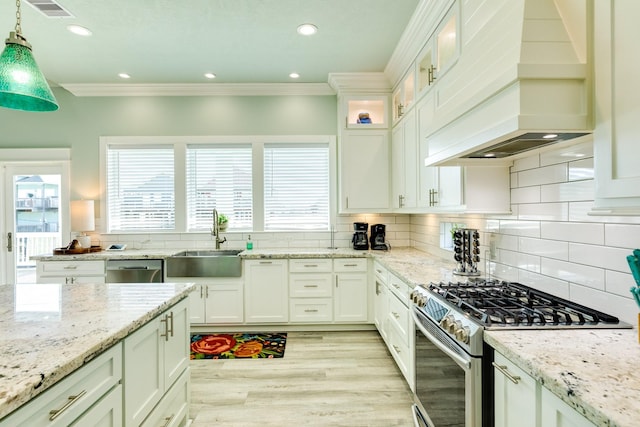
pixel 440 51
pixel 366 112
pixel 404 96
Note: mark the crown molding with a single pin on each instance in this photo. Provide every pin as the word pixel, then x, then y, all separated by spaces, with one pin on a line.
pixel 420 28
pixel 370 83
pixel 200 89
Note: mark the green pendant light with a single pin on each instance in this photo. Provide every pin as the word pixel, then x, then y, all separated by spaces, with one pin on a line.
pixel 22 84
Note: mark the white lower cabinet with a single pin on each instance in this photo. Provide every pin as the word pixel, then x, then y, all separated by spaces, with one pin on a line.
pixel 393 320
pixel 522 401
pixel 351 296
pixel 266 291
pixel 173 409
pixel 156 355
pixel 310 291
pixel 556 413
pixel 217 301
pixel 92 390
pixel 515 395
pixel 70 272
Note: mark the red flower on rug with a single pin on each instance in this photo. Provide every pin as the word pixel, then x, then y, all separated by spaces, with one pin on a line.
pixel 238 346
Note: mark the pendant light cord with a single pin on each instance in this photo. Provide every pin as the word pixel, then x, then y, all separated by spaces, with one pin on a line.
pixel 18 15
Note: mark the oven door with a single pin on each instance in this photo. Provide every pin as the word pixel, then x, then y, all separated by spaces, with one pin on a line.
pixel 448 388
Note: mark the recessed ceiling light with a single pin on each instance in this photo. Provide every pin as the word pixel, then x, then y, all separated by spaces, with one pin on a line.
pixel 550 136
pixel 79 30
pixel 210 75
pixel 294 75
pixel 124 76
pixel 307 29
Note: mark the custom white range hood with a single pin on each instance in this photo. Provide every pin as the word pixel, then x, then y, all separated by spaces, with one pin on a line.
pixel 521 82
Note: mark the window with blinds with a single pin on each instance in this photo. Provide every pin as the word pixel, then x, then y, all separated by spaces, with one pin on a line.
pixel 219 177
pixel 140 188
pixel 296 187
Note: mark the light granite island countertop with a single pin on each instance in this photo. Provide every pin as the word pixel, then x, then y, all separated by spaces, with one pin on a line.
pixel 47 331
pixel 595 371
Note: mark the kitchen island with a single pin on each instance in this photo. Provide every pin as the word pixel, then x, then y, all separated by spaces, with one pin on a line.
pixel 49 331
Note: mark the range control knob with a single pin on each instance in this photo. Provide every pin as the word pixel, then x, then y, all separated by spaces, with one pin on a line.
pixel 422 301
pixel 447 322
pixel 454 326
pixel 462 334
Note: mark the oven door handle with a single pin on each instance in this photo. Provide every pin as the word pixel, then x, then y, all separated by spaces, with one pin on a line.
pixel 462 362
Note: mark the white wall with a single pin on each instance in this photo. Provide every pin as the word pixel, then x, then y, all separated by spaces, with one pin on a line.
pixel 550 242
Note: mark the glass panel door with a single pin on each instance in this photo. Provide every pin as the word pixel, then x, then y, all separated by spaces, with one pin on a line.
pixel 33 221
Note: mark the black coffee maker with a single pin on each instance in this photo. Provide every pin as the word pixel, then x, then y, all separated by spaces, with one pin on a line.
pixel 359 238
pixel 377 237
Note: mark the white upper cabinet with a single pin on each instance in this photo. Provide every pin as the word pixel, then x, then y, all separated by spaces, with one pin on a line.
pixel 616 146
pixel 403 96
pixel 404 167
pixel 440 51
pixel 366 112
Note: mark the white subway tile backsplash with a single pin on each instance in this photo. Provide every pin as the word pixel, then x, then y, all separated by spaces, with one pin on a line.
pixel 544 283
pixel 546 175
pixel 622 235
pixel 529 262
pixel 579 232
pixel 576 273
pixel 544 211
pixel 507 242
pixel 619 283
pixel 581 169
pixel 526 163
pixel 525 195
pixel 574 191
pixel 599 256
pixel 546 248
pixel 567 154
pixel 520 228
pixel 621 307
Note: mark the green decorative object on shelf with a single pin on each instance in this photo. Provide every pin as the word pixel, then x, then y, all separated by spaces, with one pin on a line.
pixel 223 222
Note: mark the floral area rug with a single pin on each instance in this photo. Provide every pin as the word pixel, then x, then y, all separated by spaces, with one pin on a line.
pixel 238 346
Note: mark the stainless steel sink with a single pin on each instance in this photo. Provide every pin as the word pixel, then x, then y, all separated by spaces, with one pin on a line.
pixel 205 263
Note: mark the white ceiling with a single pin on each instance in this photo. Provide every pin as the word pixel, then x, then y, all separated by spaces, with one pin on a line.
pixel 241 41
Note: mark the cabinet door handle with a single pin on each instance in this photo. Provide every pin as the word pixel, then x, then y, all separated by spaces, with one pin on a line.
pixel 9 242
pixel 170 316
pixel 168 326
pixel 400 201
pixel 503 369
pixel 55 413
pixel 206 291
pixel 167 421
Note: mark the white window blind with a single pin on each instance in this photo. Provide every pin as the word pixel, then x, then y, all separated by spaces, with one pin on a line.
pixel 296 187
pixel 140 188
pixel 219 177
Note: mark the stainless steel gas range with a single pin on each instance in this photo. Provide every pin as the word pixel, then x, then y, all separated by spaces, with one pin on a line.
pixel 452 363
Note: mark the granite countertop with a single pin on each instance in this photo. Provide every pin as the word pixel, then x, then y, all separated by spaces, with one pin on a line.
pixel 47 331
pixel 595 371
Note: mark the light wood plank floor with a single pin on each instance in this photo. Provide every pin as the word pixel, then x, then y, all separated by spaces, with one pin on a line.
pixel 324 379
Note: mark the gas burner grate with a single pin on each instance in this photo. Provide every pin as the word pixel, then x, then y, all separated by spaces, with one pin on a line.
pixel 495 303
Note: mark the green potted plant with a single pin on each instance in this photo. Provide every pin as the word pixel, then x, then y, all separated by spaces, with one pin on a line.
pixel 223 222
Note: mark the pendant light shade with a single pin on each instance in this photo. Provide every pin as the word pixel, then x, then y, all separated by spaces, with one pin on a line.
pixel 22 84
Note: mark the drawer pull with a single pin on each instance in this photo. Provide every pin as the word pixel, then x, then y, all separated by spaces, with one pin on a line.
pixel 396 315
pixel 311 265
pixel 350 265
pixel 503 369
pixel 310 310
pixel 70 267
pixel 167 421
pixel 396 348
pixel 55 413
pixel 310 286
pixel 396 286
pixel 266 262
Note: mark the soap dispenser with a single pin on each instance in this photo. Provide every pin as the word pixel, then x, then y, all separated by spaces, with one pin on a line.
pixel 249 243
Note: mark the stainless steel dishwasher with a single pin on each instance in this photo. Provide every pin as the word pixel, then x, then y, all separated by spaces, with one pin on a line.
pixel 135 271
